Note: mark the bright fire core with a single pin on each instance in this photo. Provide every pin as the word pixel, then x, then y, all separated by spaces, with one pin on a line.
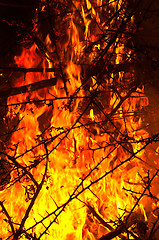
pixel 76 154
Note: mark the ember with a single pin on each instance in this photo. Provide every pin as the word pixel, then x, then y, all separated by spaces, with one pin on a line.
pixel 74 144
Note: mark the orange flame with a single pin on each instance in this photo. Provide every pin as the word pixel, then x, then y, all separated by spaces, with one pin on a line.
pixel 74 149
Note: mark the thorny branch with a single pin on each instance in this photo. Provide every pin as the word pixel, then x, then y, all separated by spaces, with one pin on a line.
pixel 100 82
pixel 39 187
pixel 124 226
pixel 8 217
pixel 77 192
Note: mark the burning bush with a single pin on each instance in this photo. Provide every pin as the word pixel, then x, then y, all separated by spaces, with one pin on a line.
pixel 74 159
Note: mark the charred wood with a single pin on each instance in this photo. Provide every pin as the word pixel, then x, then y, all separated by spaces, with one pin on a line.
pixel 28 88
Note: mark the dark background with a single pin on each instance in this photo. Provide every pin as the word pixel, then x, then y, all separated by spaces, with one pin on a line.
pixel 13 16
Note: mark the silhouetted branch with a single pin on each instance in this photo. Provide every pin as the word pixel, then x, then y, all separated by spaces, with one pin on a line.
pixel 102 88
pixel 8 217
pixel 123 227
pixel 39 187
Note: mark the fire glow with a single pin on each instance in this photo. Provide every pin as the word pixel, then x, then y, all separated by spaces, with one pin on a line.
pixel 76 155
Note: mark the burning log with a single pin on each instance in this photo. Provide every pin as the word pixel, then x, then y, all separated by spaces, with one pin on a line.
pixel 28 88
pixel 26 70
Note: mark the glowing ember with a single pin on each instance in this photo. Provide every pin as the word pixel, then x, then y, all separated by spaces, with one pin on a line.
pixel 76 155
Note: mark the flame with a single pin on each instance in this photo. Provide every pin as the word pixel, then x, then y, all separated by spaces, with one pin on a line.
pixel 74 150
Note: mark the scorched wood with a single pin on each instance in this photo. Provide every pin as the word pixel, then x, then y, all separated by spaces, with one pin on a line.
pixel 28 88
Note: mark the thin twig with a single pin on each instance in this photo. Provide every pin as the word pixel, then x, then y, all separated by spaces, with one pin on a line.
pixel 8 216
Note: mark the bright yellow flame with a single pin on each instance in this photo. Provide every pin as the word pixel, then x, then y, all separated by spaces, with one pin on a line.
pixel 73 151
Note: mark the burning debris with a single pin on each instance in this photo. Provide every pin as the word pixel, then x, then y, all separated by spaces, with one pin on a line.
pixel 74 159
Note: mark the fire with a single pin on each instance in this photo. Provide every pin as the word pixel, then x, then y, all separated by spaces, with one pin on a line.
pixel 75 157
